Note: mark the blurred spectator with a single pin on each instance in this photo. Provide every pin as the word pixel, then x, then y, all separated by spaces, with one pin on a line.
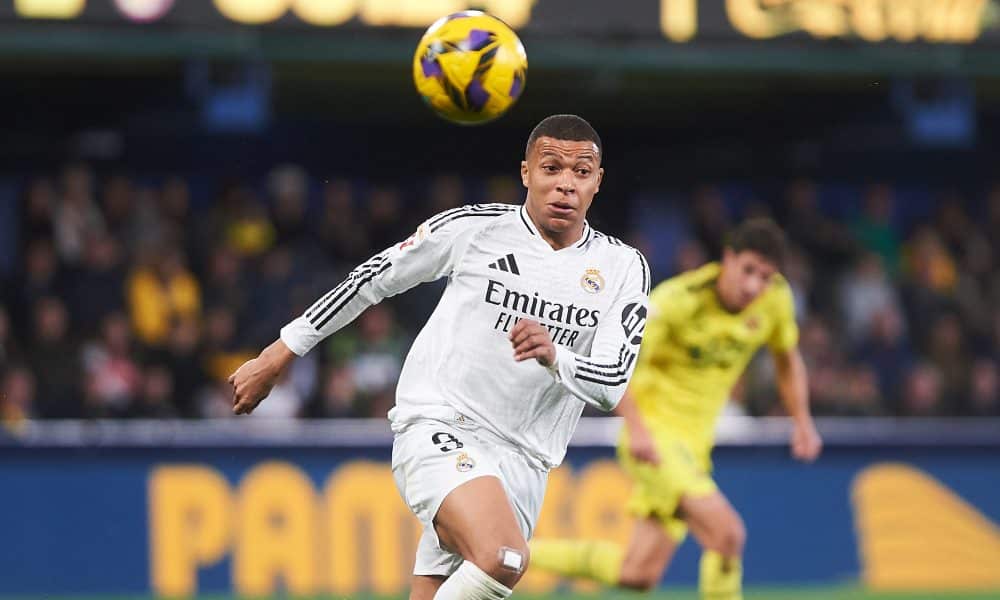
pixel 161 292
pixel 344 241
pixel 984 389
pixel 154 400
pixel 930 276
pixel 226 282
pixel 182 357
pixel 922 393
pixel 866 291
pixel 824 239
pixel 118 204
pixel 17 396
pixel 9 348
pixel 502 189
pixel 98 286
pixel 888 352
pixel 40 276
pixel 690 255
pixel 270 293
pixel 37 215
pixel 55 361
pixel 447 191
pixel 710 219
pixel 338 395
pixel 375 350
pixel 248 230
pixel 874 228
pixel 288 186
pixel 385 218
pixel 113 377
pixel 947 351
pixel 223 350
pixel 76 216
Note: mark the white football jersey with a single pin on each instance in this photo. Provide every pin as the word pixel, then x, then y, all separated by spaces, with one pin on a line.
pixel 591 297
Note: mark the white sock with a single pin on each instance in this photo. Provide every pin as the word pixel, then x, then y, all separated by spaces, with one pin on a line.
pixel 469 582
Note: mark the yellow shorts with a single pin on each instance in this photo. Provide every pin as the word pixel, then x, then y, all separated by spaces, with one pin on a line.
pixel 658 489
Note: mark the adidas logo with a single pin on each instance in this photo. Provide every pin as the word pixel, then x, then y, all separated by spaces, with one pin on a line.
pixel 506 264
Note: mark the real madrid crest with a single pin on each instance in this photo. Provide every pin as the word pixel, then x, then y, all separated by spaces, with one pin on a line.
pixel 592 282
pixel 464 463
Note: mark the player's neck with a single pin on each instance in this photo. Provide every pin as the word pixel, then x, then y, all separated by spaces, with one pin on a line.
pixel 557 239
pixel 720 297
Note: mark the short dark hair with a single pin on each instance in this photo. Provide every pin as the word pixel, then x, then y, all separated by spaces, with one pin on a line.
pixel 565 127
pixel 760 235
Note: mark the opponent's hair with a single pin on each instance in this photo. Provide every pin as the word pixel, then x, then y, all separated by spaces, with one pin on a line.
pixel 564 127
pixel 760 235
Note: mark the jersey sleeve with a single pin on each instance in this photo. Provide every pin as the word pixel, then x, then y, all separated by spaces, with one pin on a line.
pixel 429 254
pixel 601 378
pixel 785 335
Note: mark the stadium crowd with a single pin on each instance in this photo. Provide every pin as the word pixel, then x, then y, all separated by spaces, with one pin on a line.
pixel 125 297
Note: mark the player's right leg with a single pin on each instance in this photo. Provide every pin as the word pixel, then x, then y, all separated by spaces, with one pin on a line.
pixel 473 545
pixel 720 532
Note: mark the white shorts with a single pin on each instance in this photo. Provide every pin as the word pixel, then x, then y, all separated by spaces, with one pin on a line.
pixel 432 458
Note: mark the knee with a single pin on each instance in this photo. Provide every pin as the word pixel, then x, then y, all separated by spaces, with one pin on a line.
pixel 506 563
pixel 733 538
pixel 641 581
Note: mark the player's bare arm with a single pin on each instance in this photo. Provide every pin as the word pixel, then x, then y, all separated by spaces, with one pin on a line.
pixel 253 380
pixel 531 340
pixel 792 380
pixel 641 443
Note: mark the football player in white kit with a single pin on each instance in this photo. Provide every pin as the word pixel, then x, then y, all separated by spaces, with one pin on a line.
pixel 541 315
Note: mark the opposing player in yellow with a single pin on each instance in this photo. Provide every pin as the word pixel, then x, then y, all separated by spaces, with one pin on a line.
pixel 703 328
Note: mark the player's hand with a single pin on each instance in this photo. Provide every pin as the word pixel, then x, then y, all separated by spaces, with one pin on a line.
pixel 531 340
pixel 253 380
pixel 806 443
pixel 642 446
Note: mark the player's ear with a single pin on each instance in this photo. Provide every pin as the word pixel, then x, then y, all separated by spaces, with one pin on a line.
pixel 524 173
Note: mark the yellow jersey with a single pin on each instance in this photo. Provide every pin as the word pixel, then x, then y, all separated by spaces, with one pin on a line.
pixel 694 350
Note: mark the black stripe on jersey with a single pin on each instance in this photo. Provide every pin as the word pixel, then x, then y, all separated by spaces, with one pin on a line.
pixel 621 371
pixel 523 220
pixel 345 301
pixel 600 381
pixel 645 271
pixel 502 264
pixel 363 270
pixel 490 213
pixel 372 263
pixel 469 207
pixel 513 264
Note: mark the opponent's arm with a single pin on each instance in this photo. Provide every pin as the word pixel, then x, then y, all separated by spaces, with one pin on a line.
pixel 793 387
pixel 640 440
pixel 425 256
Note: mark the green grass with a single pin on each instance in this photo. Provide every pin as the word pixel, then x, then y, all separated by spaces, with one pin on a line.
pixel 774 593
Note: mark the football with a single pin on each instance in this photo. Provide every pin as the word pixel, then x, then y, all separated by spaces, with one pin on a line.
pixel 470 67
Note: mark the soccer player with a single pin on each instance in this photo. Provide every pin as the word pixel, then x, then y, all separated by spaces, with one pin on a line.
pixel 541 315
pixel 704 326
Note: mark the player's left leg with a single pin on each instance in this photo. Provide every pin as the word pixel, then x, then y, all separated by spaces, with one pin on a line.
pixel 720 531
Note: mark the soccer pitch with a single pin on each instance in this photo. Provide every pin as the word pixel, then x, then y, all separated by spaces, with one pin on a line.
pixel 756 593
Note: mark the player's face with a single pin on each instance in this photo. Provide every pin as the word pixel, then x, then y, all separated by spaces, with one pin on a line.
pixel 745 276
pixel 562 177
